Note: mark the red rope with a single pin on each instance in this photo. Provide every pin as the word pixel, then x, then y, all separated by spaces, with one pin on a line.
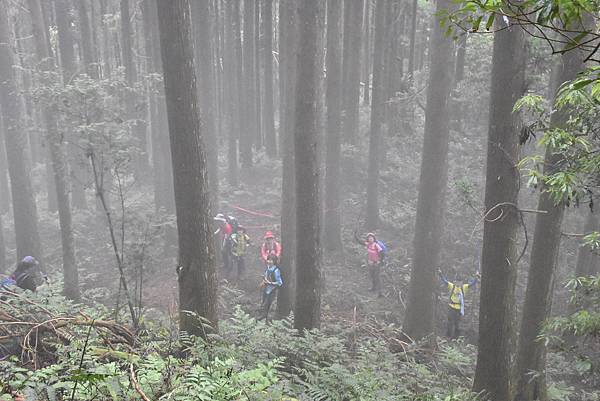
pixel 255 213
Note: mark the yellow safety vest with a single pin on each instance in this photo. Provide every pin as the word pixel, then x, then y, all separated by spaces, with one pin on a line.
pixel 455 294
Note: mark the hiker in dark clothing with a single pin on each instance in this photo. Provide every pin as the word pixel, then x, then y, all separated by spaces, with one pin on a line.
pixel 456 302
pixel 270 284
pixel 27 275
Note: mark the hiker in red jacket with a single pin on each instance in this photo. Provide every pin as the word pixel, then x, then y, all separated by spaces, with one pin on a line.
pixel 270 247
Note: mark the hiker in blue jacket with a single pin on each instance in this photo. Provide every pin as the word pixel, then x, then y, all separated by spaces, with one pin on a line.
pixel 270 284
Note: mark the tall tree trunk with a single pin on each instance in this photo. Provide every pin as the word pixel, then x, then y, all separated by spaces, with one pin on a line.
pixel 366 56
pixel 206 80
pixel 248 133
pixel 67 58
pixel 4 188
pixel 377 115
pixel 161 154
pixel 258 137
pixel 461 56
pixel 24 207
pixel 232 64
pixel 87 50
pixel 353 19
pixel 544 253
pixel 499 254
pixel 288 61
pixel 126 47
pixel 333 234
pixel 412 37
pixel 2 247
pixel 307 311
pixel 197 275
pixel 432 185
pixel 47 64
pixel 269 108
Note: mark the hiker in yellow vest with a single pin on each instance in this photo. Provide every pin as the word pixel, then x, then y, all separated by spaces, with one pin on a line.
pixel 456 303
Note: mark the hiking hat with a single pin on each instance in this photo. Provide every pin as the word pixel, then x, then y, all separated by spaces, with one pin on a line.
pixel 220 217
pixel 269 234
pixel 30 260
pixel 371 235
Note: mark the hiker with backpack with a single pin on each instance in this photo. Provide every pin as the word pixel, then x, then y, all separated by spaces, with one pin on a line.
pixel 224 231
pixel 27 275
pixel 240 241
pixel 270 247
pixel 456 303
pixel 271 282
pixel 376 251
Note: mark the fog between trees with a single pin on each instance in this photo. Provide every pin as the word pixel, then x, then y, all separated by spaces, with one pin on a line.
pixel 441 153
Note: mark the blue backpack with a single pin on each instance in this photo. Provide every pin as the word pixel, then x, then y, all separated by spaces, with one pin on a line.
pixel 383 249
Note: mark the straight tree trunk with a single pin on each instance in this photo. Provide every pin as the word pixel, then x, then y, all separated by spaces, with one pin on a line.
pixel 4 188
pixel 377 115
pixel 258 137
pixel 69 69
pixel 367 54
pixel 2 248
pixel 499 254
pixel 269 108
pixel 232 63
pixel 161 154
pixel 412 37
pixel 461 55
pixel 248 133
pixel 126 47
pixel 288 61
pixel 87 50
pixel 333 234
pixel 47 64
pixel 432 185
pixel 24 207
pixel 196 271
pixel 531 355
pixel 353 19
pixel 206 81
pixel 307 311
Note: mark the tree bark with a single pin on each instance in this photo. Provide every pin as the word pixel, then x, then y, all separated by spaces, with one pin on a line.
pixel 248 133
pixel 24 207
pixel 4 188
pixel 353 19
pixel 206 79
pixel 89 60
pixel 499 255
pixel 288 62
pixel 307 311
pixel 232 63
pixel 432 185
pixel 197 275
pixel 461 56
pixel 333 234
pixel 366 56
pixel 47 64
pixel 377 115
pixel 258 136
pixel 544 254
pixel 269 108
pixel 412 37
pixel 2 247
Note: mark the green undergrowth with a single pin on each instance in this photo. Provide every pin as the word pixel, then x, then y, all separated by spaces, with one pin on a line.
pixel 248 360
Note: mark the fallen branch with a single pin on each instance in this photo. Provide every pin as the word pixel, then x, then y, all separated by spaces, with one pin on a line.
pixel 136 385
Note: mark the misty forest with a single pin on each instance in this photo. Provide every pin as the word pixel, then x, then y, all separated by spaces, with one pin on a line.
pixel 328 200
